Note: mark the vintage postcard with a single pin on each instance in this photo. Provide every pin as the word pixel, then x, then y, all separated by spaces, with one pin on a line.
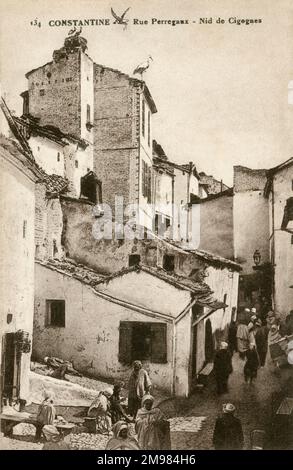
pixel 146 207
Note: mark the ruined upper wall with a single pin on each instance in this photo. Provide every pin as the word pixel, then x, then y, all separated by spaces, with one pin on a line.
pixel 247 179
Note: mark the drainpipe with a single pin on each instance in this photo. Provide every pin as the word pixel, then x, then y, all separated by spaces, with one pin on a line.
pixel 188 198
pixel 174 343
pixel 273 244
pixel 173 208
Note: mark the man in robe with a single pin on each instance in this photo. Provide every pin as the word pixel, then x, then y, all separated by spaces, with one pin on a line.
pixel 222 368
pixel 152 427
pixel 228 434
pixel 139 384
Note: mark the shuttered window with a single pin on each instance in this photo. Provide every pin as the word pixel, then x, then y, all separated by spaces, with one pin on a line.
pixel 146 181
pixel 142 341
pixel 143 118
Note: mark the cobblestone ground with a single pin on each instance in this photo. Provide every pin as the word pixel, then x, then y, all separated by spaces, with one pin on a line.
pixel 191 420
pixel 253 403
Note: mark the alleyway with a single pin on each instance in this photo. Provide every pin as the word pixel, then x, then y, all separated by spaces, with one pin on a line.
pixel 192 420
pixel 253 404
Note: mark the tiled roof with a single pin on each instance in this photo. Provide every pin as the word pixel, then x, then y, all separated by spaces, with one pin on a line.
pixel 74 269
pixel 214 260
pixel 50 132
pixel 15 149
pixel 179 281
pixel 55 184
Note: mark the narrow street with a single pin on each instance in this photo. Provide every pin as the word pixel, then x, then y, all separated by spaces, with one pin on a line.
pixel 253 406
pixel 192 420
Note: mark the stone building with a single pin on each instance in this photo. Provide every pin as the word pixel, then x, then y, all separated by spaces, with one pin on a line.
pixel 166 324
pixel 278 193
pixel 19 174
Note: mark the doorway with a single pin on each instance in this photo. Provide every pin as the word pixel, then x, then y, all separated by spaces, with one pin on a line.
pixel 209 342
pixel 10 368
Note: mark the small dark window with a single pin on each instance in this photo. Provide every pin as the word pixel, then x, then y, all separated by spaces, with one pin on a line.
pixel 291 239
pixel 76 163
pixel 69 79
pixel 55 313
pixel 24 227
pixel 58 156
pixel 55 249
pixel 133 260
pixel 169 262
pixel 88 113
pixel 225 301
pixel 141 341
pixel 42 92
pixel 49 75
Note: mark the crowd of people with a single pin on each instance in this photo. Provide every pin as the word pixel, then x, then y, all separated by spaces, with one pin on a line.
pixel 112 416
pixel 250 336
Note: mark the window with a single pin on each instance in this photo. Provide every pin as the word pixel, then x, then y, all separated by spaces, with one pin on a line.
pixel 225 301
pixel 69 79
pixel 24 226
pixel 143 118
pixel 291 239
pixel 88 113
pixel 55 313
pixel 55 249
pixel 42 92
pixel 142 340
pixel 149 128
pixel 76 163
pixel 58 156
pixel 133 260
pixel 169 262
pixel 146 181
pixel 292 185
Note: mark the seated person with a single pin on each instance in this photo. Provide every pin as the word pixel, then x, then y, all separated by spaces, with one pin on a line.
pixel 46 413
pixel 117 410
pixel 121 439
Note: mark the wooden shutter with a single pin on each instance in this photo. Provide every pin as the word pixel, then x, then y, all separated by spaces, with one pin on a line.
pixel 159 342
pixel 125 342
pixel 149 192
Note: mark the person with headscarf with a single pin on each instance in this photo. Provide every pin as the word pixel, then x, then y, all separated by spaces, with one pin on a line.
pixel 242 338
pixel 151 426
pixel 251 364
pixel 46 413
pixel 117 410
pixel 261 341
pixel 121 439
pixel 139 384
pixel 100 409
pixel 228 434
pixel 222 367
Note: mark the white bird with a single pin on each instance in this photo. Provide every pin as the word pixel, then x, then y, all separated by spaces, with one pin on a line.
pixel 72 31
pixel 141 68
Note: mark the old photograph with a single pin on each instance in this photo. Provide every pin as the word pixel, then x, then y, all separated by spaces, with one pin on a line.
pixel 146 207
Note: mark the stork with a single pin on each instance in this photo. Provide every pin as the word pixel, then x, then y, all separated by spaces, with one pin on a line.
pixel 141 68
pixel 120 19
pixel 72 31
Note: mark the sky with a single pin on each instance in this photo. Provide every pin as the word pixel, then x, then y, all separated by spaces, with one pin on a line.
pixel 221 89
